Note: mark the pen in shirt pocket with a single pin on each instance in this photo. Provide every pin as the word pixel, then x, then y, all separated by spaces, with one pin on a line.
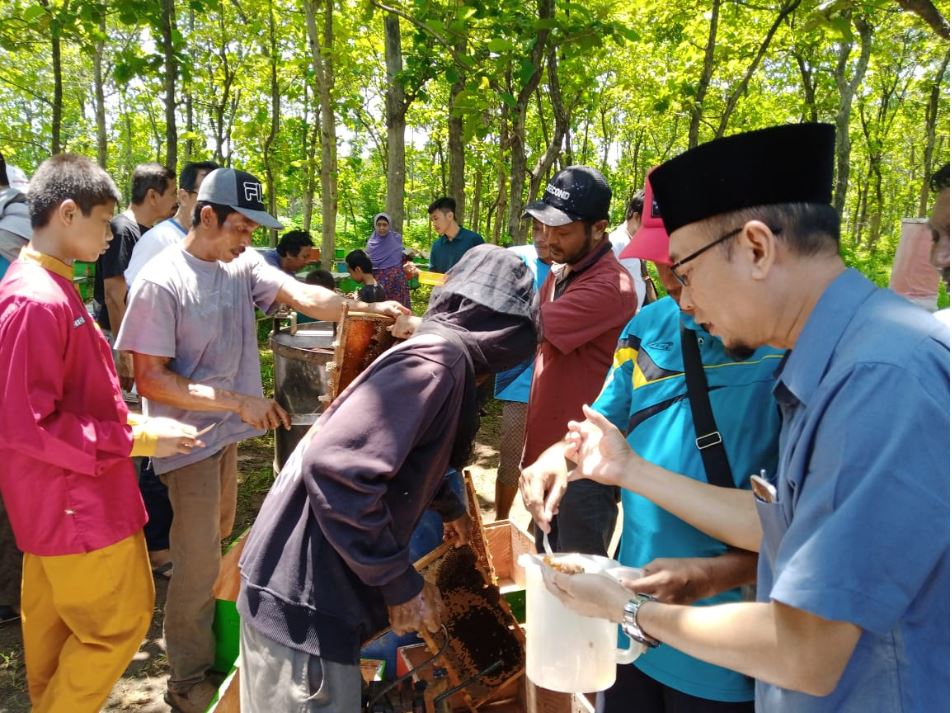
pixel 763 491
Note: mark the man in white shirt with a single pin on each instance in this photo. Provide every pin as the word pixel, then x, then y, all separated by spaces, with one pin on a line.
pixel 171 231
pixel 621 236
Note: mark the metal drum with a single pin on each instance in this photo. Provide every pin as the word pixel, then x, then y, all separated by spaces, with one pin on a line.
pixel 300 379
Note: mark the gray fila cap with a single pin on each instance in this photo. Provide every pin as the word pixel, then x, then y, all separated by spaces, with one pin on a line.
pixel 238 190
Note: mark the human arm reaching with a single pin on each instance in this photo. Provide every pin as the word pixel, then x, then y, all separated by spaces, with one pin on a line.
pixel 602 454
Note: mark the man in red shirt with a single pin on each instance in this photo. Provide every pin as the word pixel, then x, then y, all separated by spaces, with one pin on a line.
pixel 67 481
pixel 586 301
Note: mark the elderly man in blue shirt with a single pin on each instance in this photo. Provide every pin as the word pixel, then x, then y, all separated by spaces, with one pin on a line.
pixel 853 527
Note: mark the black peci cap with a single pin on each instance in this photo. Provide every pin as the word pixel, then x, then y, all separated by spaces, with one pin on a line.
pixel 783 164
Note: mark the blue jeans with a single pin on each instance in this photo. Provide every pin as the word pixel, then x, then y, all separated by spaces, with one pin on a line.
pixel 156 498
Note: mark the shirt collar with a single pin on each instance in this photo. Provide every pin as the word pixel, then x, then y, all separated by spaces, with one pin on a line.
pixel 47 262
pixel 805 364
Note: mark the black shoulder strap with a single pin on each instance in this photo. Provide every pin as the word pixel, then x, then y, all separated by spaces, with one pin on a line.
pixel 708 440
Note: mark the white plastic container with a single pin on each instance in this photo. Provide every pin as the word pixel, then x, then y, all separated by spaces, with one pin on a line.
pixel 565 651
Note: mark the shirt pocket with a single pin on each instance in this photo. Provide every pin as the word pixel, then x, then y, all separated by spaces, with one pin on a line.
pixel 774 523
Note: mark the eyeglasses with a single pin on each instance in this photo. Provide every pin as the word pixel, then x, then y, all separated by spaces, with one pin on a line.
pixel 680 277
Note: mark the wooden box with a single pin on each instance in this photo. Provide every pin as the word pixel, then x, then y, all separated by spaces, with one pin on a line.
pixel 505 542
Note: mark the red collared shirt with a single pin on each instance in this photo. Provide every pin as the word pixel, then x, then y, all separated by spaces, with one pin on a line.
pixel 67 481
pixel 583 313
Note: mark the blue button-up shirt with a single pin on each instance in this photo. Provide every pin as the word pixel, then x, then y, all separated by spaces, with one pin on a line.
pixel 859 531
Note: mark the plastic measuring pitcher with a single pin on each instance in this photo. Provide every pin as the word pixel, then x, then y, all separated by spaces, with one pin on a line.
pixel 565 651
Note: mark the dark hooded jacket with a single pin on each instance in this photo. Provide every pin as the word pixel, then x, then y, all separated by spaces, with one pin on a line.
pixel 329 549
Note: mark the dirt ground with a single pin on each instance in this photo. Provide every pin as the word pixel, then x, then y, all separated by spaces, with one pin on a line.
pixel 143 684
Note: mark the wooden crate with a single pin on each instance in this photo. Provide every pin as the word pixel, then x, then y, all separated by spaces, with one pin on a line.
pixel 505 542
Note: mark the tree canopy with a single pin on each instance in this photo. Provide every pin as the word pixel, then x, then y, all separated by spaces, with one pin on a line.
pixel 347 107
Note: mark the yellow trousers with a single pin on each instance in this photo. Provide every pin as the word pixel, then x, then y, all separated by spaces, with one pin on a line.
pixel 84 617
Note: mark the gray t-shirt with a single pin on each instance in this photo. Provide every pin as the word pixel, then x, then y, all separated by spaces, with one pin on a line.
pixel 201 315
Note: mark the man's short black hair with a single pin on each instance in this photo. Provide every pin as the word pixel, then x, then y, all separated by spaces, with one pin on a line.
pixel 322 278
pixel 445 204
pixel 358 258
pixel 940 179
pixel 221 211
pixel 150 175
pixel 68 177
pixel 292 242
pixel 807 228
pixel 189 175
pixel 636 205
pixel 4 181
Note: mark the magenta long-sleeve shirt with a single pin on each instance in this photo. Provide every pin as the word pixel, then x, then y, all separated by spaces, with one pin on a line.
pixel 67 481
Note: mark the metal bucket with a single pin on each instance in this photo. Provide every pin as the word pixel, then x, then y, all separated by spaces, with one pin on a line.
pixel 300 379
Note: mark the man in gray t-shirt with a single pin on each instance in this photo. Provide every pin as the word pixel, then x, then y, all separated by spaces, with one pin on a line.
pixel 191 328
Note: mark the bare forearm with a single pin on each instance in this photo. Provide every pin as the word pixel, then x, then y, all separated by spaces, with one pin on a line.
pixel 726 514
pixel 115 296
pixel 167 387
pixel 553 460
pixel 771 642
pixel 734 568
pixel 319 303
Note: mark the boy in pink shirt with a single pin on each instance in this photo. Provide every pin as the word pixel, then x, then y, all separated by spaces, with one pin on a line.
pixel 66 436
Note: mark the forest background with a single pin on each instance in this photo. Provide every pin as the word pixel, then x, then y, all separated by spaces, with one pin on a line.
pixel 349 107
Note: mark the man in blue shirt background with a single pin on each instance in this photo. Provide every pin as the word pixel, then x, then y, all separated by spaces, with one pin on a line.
pixel 454 239
pixel 853 527
pixel 293 252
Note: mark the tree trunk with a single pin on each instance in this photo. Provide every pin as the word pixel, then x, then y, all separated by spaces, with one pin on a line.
pixel 741 87
pixel 455 147
pixel 561 119
pixel 932 114
pixel 809 88
pixel 707 71
pixel 501 166
pixel 102 143
pixel 56 143
pixel 477 192
pixel 171 71
pixel 322 45
pixel 309 139
pixel 930 13
pixel 189 99
pixel 275 120
pixel 396 109
pixel 515 225
pixel 847 89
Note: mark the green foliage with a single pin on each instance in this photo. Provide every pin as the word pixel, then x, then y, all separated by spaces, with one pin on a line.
pixel 628 75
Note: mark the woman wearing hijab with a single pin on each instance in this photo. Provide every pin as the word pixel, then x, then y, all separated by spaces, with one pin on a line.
pixel 385 249
pixel 327 564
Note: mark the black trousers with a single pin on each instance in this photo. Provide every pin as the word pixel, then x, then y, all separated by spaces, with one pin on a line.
pixel 636 692
pixel 586 519
pixel 156 498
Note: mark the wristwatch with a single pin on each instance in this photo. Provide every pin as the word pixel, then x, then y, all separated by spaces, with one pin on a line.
pixel 630 622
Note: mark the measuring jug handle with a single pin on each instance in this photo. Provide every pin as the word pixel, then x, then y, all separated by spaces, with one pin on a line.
pixel 630 653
